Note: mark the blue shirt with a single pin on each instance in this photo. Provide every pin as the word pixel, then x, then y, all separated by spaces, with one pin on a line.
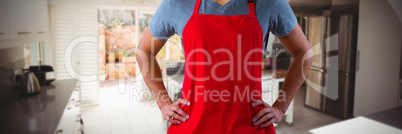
pixel 172 15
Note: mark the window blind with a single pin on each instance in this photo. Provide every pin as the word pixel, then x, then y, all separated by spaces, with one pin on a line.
pixel 70 23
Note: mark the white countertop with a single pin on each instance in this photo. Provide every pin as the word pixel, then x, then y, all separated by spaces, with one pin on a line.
pixel 358 125
pixel 384 122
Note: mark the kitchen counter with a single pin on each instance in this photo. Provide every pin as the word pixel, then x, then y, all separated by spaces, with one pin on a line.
pixel 384 122
pixel 174 85
pixel 36 114
pixel 275 74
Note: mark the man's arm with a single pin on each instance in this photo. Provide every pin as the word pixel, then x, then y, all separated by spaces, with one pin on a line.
pixel 298 46
pixel 148 48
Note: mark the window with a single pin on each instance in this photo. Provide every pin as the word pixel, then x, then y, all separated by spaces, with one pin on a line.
pixel 118 38
pixel 117 41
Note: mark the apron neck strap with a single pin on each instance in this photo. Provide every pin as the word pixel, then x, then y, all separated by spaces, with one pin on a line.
pixel 251 7
pixel 197 6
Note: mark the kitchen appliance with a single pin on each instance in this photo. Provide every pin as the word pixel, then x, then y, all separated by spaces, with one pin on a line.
pixel 29 84
pixel 41 72
pixel 330 81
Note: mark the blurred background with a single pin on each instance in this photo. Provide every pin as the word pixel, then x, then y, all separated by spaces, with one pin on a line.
pixel 353 86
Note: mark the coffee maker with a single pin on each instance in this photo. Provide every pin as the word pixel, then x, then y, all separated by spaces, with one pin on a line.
pixel 40 73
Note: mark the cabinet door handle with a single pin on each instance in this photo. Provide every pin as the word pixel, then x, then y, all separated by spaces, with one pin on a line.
pixel 77 103
pixel 70 104
pixel 24 32
pixel 1 33
pixel 358 60
pixel 41 32
pixel 79 118
pixel 82 126
pixel 60 131
pixel 82 123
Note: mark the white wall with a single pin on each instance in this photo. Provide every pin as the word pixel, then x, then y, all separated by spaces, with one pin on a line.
pixel 379 44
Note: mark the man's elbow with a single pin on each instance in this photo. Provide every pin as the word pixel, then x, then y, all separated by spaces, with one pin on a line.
pixel 305 55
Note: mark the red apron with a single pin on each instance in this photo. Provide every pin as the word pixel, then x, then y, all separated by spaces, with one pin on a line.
pixel 223 56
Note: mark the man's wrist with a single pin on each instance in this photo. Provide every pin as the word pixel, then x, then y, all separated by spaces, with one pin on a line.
pixel 164 103
pixel 280 109
pixel 281 104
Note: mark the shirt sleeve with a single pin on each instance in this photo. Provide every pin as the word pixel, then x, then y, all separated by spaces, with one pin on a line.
pixel 161 27
pixel 283 20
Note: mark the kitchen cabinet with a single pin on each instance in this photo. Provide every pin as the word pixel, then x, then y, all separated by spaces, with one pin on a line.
pixel 3 20
pixel 40 22
pixel 378 58
pixel 71 121
pixel 20 18
pixel 27 18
